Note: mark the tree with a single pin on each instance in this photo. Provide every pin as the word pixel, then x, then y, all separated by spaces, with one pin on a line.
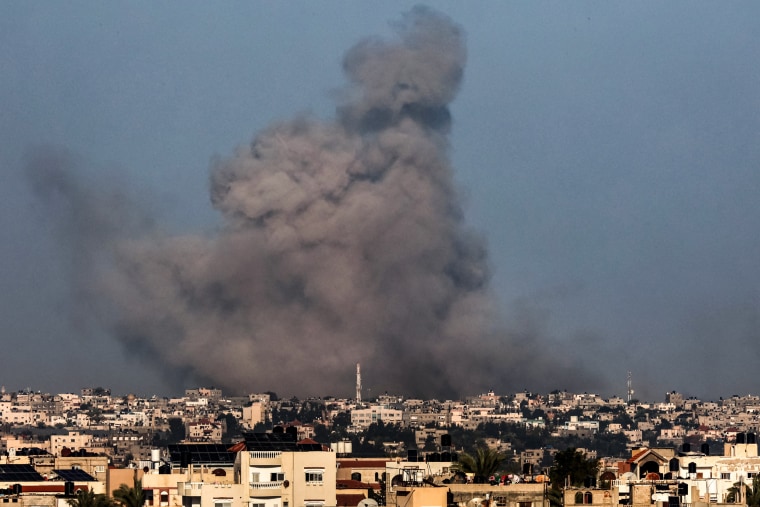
pixel 176 430
pixel 573 465
pixel 130 497
pixel 555 497
pixel 89 499
pixel 232 425
pixel 751 493
pixel 483 464
pixel 430 444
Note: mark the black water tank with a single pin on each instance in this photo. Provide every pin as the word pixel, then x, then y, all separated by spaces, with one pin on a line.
pixel 706 449
pixel 292 431
pixel 446 440
pixel 740 438
pixel 411 455
pixel 446 456
pixel 674 465
pixel 751 438
pixel 692 468
pixel 278 430
pixel 68 488
pixel 686 447
pixel 527 468
pixel 434 457
pixel 683 489
pixel 17 489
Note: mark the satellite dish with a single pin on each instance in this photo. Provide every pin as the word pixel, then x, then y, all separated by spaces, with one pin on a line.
pixel 515 479
pixel 628 476
pixel 476 501
pixel 367 502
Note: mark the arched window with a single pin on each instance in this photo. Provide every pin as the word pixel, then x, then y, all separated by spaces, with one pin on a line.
pixel 578 497
pixel 588 498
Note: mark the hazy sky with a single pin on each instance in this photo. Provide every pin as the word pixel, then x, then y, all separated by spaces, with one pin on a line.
pixel 607 151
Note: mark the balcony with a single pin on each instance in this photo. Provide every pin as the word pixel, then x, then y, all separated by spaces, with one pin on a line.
pixel 266 485
pixel 189 488
pixel 265 454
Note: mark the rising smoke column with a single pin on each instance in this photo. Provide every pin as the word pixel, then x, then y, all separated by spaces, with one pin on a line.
pixel 343 242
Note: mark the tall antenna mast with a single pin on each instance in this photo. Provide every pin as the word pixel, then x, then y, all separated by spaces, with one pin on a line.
pixel 629 384
pixel 358 384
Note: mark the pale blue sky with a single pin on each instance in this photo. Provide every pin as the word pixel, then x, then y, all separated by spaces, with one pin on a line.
pixel 608 152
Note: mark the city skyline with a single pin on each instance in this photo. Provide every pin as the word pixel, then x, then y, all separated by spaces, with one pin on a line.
pixel 603 158
pixel 369 396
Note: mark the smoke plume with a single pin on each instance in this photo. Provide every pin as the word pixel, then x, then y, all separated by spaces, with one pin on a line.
pixel 342 242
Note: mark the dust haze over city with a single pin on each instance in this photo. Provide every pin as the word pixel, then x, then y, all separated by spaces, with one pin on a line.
pixel 459 197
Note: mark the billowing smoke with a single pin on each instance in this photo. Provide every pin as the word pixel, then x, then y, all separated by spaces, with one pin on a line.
pixel 342 242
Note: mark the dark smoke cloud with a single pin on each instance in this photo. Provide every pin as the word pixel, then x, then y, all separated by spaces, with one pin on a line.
pixel 342 242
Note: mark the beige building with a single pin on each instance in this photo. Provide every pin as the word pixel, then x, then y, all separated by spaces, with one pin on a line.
pixel 254 414
pixel 363 417
pixel 470 495
pixel 282 473
pixel 73 441
pixel 204 430
pixel 267 470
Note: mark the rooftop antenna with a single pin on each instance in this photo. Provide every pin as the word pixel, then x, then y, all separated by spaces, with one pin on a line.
pixel 629 384
pixel 358 384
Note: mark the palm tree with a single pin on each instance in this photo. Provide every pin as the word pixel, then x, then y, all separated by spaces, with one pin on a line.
pixel 89 499
pixel 130 497
pixel 751 492
pixel 555 497
pixel 483 464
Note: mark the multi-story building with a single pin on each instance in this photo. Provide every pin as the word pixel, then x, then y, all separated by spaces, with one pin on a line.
pixel 73 441
pixel 255 413
pixel 363 417
pixel 204 430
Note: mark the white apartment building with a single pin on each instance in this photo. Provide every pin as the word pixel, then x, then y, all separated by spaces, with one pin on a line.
pixel 363 417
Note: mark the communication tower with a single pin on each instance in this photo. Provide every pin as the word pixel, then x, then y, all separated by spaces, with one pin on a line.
pixel 629 384
pixel 358 384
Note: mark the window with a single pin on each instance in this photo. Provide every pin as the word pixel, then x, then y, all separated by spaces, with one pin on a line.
pixel 255 477
pixel 314 477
